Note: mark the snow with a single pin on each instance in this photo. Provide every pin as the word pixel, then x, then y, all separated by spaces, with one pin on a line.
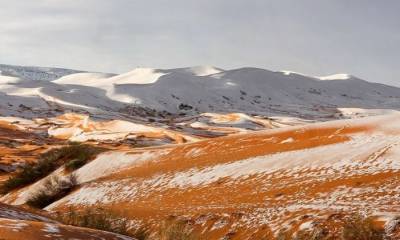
pixel 359 112
pixel 84 79
pixel 372 151
pixel 14 225
pixel 340 76
pixel 16 214
pixel 51 228
pixel 20 123
pixel 305 159
pixel 108 192
pixel 23 229
pixel 203 70
pixel 109 162
pixel 288 73
pixel 81 128
pixel 203 88
pixel 359 152
pixel 213 92
pixel 25 193
pixel 306 225
pixel 338 157
pixel 288 140
pixel 34 73
pixel 362 154
pixel 138 76
pixel 240 122
pixel 194 152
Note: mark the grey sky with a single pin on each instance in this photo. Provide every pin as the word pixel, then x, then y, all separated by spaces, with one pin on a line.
pixel 315 37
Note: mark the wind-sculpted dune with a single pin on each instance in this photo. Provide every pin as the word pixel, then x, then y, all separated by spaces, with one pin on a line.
pixel 197 153
pixel 254 184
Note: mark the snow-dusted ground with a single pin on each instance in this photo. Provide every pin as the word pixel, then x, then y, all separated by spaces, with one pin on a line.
pixel 32 92
pixel 187 105
pixel 35 73
pixel 356 173
pixel 18 223
pixel 363 154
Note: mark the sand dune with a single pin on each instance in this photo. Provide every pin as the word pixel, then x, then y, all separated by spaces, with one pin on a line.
pixel 233 154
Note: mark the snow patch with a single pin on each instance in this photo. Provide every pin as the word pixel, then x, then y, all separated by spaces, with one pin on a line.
pixel 340 76
pixel 51 228
pixel 110 162
pixel 288 140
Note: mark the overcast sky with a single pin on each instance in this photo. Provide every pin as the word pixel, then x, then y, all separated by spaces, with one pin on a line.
pixel 315 37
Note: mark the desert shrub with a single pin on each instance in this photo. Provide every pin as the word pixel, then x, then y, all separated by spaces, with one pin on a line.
pixel 106 220
pixel 176 230
pixel 316 233
pixel 284 234
pixel 393 228
pixel 140 234
pixel 354 227
pixel 29 174
pixel 100 219
pixel 53 189
pixel 78 154
pixel 358 227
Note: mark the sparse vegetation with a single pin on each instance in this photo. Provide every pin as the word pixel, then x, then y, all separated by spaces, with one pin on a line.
pixel 354 227
pixel 73 155
pixel 176 230
pixel 316 233
pixel 53 189
pixel 98 218
pixel 358 227
pixel 185 107
pixel 106 220
pixel 284 234
pixel 79 155
pixel 141 234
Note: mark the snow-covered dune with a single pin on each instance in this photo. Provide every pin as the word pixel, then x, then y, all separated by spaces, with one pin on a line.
pixel 243 183
pixel 35 73
pixel 188 91
pixel 16 223
pixel 239 153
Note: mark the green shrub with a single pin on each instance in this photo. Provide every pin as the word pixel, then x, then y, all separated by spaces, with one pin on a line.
pixel 53 189
pixel 49 161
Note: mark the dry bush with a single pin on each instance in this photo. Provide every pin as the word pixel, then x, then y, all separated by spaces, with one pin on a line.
pixel 53 189
pixel 105 220
pixel 79 155
pixel 358 227
pixel 176 230
pixel 354 227
pixel 316 233
pixel 100 219
pixel 73 156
